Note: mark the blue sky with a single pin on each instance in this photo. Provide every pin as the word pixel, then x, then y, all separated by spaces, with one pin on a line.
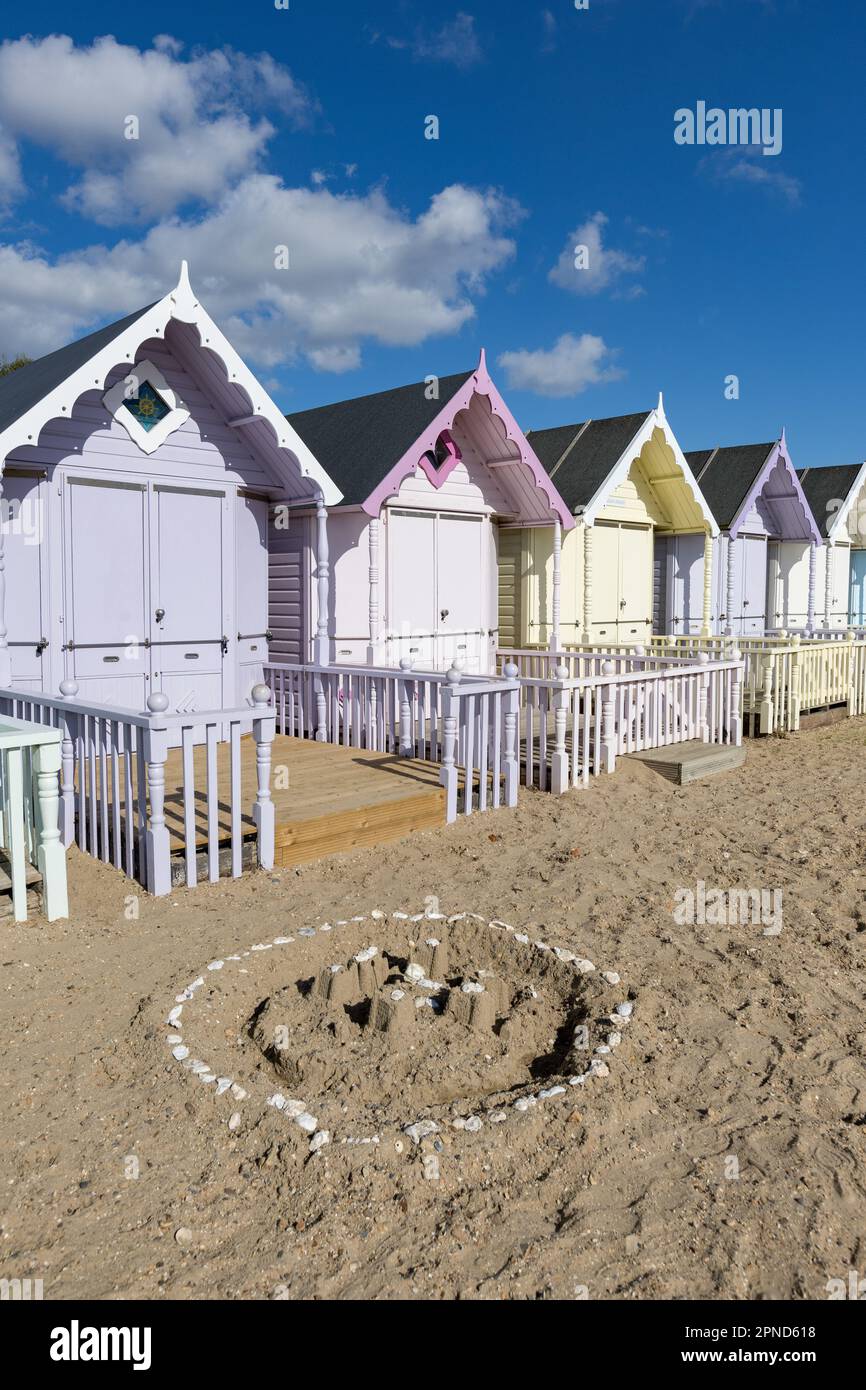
pixel 304 127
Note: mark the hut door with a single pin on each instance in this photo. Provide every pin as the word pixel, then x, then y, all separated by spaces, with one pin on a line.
pixel 460 593
pixel 605 582
pixel 635 567
pixel 753 559
pixel 188 634
pixel 686 583
pixel 23 520
pixel 412 581
pixel 104 620
pixel 251 542
pixel 857 612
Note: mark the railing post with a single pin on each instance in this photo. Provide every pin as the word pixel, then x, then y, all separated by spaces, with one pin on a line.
pixel 795 693
pixel 852 694
pixel 765 709
pixel 264 730
pixel 448 774
pixel 638 663
pixel 50 854
pixel 559 761
pixel 703 697
pixel 608 732
pixel 321 708
pixel 511 716
pixel 406 693
pixel 156 839
pixel 68 689
pixel 736 713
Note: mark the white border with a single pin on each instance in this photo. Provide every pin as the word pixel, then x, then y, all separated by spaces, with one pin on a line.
pixel 127 389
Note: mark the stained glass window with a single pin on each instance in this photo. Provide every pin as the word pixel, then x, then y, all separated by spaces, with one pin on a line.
pixel 147 406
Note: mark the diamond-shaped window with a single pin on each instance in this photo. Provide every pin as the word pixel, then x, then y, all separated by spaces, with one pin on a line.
pixel 147 406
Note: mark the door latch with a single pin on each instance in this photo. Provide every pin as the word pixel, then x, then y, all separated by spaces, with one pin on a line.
pixel 41 645
pixel 224 643
pixel 159 614
pixel 443 614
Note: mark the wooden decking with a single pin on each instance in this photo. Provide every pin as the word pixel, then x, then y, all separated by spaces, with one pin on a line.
pixel 328 799
pixel 686 762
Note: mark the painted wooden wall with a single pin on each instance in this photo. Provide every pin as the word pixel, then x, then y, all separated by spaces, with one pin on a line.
pixel 125 533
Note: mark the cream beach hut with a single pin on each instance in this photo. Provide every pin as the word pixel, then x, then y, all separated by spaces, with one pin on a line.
pixel 639 558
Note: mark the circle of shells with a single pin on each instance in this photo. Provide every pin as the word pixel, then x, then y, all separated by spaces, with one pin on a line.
pixel 299 1113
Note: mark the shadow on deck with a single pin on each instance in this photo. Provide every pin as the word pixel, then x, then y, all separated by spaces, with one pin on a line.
pixel 328 799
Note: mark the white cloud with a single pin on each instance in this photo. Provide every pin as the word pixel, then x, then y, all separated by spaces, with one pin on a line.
pixel 195 137
pixel 10 169
pixel 456 43
pixel 361 269
pixel 744 164
pixel 604 265
pixel 566 369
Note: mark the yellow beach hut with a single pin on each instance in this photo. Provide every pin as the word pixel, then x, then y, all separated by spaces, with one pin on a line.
pixel 639 558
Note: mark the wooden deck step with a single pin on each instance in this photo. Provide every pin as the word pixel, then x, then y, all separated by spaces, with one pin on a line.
pixel 686 762
pixel 299 842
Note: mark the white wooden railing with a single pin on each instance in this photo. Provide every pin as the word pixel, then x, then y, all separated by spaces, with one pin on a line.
pixel 406 713
pixel 29 830
pixel 113 782
pixel 576 726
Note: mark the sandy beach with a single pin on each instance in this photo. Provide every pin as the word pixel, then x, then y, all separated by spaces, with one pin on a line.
pixel 720 1157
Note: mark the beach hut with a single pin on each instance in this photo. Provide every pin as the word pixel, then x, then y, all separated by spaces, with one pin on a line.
pixel 437 477
pixel 837 496
pixel 765 560
pixel 638 559
pixel 138 468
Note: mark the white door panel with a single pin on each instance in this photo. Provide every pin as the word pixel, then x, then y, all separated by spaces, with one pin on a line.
pixel 188 608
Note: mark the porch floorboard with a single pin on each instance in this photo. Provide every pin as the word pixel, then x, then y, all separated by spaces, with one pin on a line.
pixel 337 799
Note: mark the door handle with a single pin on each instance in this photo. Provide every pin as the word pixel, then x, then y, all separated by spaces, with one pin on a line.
pixel 41 645
pixel 159 614
pixel 443 614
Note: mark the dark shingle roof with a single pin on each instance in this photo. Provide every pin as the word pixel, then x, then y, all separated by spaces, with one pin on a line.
pixel 594 449
pixel 727 480
pixel 26 387
pixel 825 485
pixel 358 441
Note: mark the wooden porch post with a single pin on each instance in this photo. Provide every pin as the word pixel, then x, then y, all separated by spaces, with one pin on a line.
pixel 608 720
pixel 5 657
pixel 157 840
pixel 729 589
pixel 810 614
pixel 555 640
pixel 375 605
pixel 703 698
pixel 264 729
pixel 448 772
pixel 708 585
pixel 511 754
pixel 828 584
pixel 587 582
pixel 51 854
pixel 68 689
pixel 737 698
pixel 559 757
pixel 322 645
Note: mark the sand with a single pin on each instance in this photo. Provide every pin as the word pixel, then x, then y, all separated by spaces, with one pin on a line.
pixel 724 1156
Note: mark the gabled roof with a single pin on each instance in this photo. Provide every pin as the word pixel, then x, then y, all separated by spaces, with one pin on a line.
pixel 49 388
pixel 589 461
pixel 28 385
pixel 582 456
pixel 726 476
pixel 372 443
pixel 825 486
pixel 359 440
pixel 741 477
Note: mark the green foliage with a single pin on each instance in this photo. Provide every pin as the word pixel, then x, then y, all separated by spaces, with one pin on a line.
pixel 9 365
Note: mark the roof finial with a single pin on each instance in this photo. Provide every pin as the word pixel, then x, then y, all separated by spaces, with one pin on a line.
pixel 482 362
pixel 182 297
pixel 660 408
